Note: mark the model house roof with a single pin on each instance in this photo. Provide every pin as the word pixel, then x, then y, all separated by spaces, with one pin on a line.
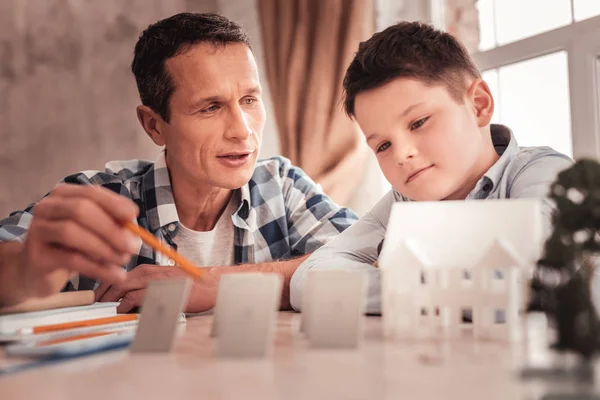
pixel 498 255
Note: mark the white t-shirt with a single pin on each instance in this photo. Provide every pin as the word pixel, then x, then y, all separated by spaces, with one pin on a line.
pixel 211 248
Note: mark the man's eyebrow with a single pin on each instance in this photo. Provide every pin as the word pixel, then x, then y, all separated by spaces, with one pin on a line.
pixel 209 99
pixel 254 90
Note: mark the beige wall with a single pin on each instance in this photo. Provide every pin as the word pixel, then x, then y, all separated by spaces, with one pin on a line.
pixel 67 97
pixel 461 19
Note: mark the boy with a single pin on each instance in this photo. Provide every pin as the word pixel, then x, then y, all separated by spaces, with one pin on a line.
pixel 425 111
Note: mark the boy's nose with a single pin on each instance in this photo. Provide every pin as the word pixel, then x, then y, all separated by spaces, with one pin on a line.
pixel 405 152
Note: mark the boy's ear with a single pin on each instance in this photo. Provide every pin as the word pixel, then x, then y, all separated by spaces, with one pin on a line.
pixel 482 101
pixel 152 124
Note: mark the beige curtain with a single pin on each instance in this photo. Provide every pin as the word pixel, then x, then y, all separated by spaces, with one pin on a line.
pixel 308 45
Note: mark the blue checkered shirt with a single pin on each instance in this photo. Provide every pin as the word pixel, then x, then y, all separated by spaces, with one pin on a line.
pixel 282 213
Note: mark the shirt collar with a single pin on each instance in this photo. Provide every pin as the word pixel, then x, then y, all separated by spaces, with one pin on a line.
pixel 507 147
pixel 160 204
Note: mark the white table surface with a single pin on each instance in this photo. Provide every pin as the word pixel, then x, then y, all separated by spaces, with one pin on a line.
pixel 379 369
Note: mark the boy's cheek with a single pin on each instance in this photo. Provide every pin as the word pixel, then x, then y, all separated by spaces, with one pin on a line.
pixel 394 176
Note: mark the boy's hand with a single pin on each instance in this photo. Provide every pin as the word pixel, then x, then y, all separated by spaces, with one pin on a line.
pixel 76 229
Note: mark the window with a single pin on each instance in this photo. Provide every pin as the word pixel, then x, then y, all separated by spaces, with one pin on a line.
pixel 542 65
pixel 526 90
pixel 584 9
pixel 506 21
pixel 466 315
pixel 499 316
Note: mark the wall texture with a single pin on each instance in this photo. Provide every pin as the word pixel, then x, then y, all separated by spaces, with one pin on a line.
pixel 461 19
pixel 67 97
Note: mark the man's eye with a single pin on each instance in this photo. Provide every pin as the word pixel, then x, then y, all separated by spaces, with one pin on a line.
pixel 418 124
pixel 249 101
pixel 383 147
pixel 210 109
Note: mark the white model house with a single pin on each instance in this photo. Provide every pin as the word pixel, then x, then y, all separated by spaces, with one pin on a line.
pixel 440 277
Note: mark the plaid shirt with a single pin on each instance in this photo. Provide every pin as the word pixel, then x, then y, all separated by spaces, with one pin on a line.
pixel 282 213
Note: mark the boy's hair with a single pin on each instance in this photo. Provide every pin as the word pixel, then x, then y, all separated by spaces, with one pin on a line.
pixel 408 50
pixel 168 38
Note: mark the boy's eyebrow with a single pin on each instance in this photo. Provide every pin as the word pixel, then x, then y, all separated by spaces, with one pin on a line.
pixel 410 108
pixel 402 115
pixel 371 136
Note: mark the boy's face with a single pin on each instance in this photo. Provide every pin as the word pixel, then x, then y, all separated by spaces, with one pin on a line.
pixel 428 145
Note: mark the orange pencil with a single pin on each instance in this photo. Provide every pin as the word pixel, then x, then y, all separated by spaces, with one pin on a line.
pixel 81 324
pixel 152 241
pixel 73 338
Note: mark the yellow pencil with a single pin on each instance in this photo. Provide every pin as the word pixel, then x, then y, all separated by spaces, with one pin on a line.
pixel 152 241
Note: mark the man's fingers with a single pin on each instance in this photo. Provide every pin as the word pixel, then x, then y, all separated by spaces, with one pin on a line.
pixel 136 279
pixel 70 235
pixel 131 300
pixel 117 206
pixel 101 290
pixel 90 216
pixel 119 291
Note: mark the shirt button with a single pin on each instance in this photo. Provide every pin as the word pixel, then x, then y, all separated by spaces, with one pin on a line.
pixel 487 187
pixel 171 262
pixel 171 228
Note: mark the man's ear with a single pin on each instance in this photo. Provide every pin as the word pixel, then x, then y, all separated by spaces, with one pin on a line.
pixel 152 124
pixel 482 101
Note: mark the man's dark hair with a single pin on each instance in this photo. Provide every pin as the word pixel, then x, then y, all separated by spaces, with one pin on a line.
pixel 408 50
pixel 168 38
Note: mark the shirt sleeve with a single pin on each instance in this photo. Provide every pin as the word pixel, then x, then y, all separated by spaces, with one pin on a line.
pixel 535 178
pixel 313 218
pixel 355 249
pixel 15 226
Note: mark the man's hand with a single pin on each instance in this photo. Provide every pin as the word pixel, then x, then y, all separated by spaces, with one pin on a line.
pixel 132 290
pixel 76 229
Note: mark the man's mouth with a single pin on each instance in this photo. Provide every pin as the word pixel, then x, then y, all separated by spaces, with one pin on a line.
pixel 236 155
pixel 235 159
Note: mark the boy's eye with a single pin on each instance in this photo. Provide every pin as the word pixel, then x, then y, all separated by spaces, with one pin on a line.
pixel 418 124
pixel 383 147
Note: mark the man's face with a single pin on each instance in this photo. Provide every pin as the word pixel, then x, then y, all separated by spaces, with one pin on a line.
pixel 427 144
pixel 217 115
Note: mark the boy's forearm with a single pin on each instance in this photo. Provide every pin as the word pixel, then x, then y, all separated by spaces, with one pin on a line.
pixel 329 259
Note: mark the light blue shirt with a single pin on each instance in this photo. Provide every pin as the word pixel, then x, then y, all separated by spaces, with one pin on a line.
pixel 520 172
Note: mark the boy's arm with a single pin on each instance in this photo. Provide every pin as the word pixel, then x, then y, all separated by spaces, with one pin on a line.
pixel 354 249
pixel 535 178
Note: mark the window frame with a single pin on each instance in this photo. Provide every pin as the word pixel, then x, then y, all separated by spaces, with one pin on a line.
pixel 583 57
pixel 583 52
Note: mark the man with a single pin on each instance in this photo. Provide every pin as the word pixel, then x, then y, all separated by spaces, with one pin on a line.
pixel 206 194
